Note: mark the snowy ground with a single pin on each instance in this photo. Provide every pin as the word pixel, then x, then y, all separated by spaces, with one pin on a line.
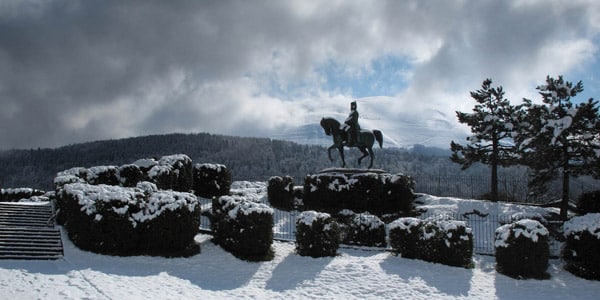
pixel 216 274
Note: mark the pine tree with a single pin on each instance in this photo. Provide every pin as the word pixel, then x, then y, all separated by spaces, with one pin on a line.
pixel 491 124
pixel 559 138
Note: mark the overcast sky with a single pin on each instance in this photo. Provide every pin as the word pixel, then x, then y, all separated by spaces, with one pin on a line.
pixel 74 71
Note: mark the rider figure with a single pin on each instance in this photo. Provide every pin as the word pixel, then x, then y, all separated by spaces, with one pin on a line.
pixel 352 122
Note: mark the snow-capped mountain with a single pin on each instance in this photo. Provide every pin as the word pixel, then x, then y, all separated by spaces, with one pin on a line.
pixel 403 123
pixel 402 131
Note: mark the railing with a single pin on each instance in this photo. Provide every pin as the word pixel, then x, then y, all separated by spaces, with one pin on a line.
pixel 483 228
pixel 509 188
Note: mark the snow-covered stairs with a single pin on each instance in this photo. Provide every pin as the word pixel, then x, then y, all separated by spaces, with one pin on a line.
pixel 28 231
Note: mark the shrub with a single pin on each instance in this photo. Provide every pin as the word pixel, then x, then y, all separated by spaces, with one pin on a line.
pixel 211 180
pixel 582 248
pixel 442 241
pixel 103 175
pixel 451 243
pixel 129 221
pixel 181 169
pixel 130 175
pixel 243 227
pixel 362 229
pixel 589 203
pixel 280 192
pixel 522 249
pixel 317 234
pixel 162 176
pixel 405 236
pixel 16 194
pixel 377 193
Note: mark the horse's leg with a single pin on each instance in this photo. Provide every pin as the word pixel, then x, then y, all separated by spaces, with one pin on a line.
pixel 329 151
pixel 341 149
pixel 372 156
pixel 365 154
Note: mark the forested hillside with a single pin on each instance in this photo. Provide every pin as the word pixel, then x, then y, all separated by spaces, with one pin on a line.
pixel 247 158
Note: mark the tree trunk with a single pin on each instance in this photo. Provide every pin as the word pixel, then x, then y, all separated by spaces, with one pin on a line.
pixel 494 182
pixel 564 204
pixel 494 163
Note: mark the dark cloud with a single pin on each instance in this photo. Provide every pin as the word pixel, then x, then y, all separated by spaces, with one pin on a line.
pixel 73 71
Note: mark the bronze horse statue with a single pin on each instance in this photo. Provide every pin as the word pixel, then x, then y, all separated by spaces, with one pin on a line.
pixel 364 143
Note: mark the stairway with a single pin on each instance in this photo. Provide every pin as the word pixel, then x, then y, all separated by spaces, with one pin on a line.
pixel 27 231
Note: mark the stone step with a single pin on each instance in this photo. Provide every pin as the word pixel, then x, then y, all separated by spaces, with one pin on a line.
pixel 28 232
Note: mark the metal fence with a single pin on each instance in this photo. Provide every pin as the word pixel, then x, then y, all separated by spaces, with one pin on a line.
pixel 512 188
pixel 483 228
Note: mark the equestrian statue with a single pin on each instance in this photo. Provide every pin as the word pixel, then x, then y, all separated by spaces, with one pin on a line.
pixel 350 135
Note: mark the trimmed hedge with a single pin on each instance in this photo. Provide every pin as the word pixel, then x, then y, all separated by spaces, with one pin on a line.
pixel 130 221
pixel 589 203
pixel 442 241
pixel 405 236
pixel 243 227
pixel 211 180
pixel 280 192
pixel 173 172
pixel 16 194
pixel 317 234
pixel 103 175
pixel 522 249
pixel 378 193
pixel 582 248
pixel 362 229
pixel 130 175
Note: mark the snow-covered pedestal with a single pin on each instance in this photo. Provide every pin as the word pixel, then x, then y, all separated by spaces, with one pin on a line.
pixel 358 190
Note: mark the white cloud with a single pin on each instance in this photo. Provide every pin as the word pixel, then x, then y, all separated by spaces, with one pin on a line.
pixel 112 69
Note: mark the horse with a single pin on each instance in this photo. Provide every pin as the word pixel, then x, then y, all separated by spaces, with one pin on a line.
pixel 364 141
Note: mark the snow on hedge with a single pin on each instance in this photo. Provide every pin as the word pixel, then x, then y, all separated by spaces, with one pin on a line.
pixel 580 224
pixel 148 201
pixel 405 224
pixel 527 228
pixel 309 217
pixel 245 205
pixel 371 222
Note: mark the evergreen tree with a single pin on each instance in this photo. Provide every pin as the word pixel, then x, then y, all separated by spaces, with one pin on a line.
pixel 491 124
pixel 559 138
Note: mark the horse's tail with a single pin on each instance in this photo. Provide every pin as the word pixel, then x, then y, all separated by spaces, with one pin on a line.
pixel 378 137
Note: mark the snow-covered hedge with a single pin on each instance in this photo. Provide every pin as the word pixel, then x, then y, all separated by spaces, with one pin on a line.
pixel 522 249
pixel 281 192
pixel 130 175
pixel 243 227
pixel 172 172
pixel 130 221
pixel 377 193
pixel 440 240
pixel 589 203
pixel 317 234
pixel 211 180
pixel 16 194
pixel 362 229
pixel 582 248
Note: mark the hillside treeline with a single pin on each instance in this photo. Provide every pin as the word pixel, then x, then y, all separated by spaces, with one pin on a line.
pixel 247 158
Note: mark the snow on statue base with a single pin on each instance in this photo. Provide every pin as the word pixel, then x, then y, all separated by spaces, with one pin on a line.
pixel 372 190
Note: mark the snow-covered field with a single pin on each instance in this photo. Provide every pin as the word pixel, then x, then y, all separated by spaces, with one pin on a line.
pixel 215 274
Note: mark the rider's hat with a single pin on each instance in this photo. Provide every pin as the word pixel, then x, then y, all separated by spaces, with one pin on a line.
pixel 353 105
